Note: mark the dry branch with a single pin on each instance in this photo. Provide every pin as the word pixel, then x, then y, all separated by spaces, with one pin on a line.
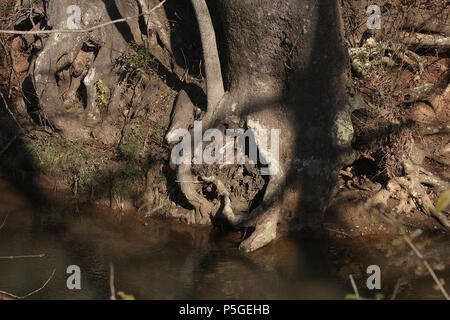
pixel 13 296
pixel 355 288
pixel 7 146
pixel 416 251
pixel 88 29
pixel 425 40
pixel 111 282
pixel 4 221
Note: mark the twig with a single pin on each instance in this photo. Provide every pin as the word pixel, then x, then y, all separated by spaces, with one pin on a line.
pixel 422 258
pixel 11 113
pixel 11 69
pixel 31 15
pixel 4 221
pixel 111 282
pixel 154 210
pixel 32 292
pixel 189 181
pixel 23 257
pixel 37 290
pixel 427 265
pixel 340 232
pixel 85 30
pixel 7 146
pixel 396 288
pixel 352 281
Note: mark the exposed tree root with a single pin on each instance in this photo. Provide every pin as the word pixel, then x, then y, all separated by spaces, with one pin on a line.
pixel 158 38
pixel 409 190
pixel 425 40
pixel 182 116
pixel 214 81
pixel 222 191
pixel 360 56
pixel 183 112
pixel 420 93
pixel 150 198
pixel 203 208
pixel 263 218
pixel 430 130
pixel 265 230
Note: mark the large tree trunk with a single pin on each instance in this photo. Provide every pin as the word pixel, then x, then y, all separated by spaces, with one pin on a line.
pixel 285 68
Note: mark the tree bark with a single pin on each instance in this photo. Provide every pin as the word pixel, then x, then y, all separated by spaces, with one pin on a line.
pixel 286 68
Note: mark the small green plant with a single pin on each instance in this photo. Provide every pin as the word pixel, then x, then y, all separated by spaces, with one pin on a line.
pixel 137 59
pixel 443 201
pixel 102 94
pixel 8 5
pixel 159 131
pixel 161 180
pixel 132 147
pixel 352 296
pixel 124 296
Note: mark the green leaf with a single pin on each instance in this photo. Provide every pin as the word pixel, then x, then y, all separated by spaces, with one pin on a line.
pixel 416 233
pixel 420 246
pixel 397 242
pixel 379 296
pixel 125 296
pixel 401 229
pixel 443 201
pixel 419 271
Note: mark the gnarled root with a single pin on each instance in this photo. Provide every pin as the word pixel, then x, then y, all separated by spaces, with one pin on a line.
pixel 265 229
pixel 426 40
pixel 222 191
pixel 182 116
pixel 264 218
pixel 150 201
pixel 410 191
pixel 203 208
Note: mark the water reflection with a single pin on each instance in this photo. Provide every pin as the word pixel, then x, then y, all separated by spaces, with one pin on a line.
pixel 156 259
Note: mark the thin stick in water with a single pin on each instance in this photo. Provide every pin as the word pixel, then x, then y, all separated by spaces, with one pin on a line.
pixel 355 288
pixel 4 221
pixel 396 288
pixel 10 295
pixel 24 257
pixel 111 282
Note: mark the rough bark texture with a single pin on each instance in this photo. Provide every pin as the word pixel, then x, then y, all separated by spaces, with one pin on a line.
pixel 285 67
pixel 55 67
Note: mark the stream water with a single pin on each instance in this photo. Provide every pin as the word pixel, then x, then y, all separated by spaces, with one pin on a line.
pixel 159 259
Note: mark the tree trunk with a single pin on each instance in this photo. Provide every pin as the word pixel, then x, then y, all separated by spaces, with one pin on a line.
pixel 285 67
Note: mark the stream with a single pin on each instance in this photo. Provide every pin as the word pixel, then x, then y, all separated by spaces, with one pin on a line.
pixel 162 259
